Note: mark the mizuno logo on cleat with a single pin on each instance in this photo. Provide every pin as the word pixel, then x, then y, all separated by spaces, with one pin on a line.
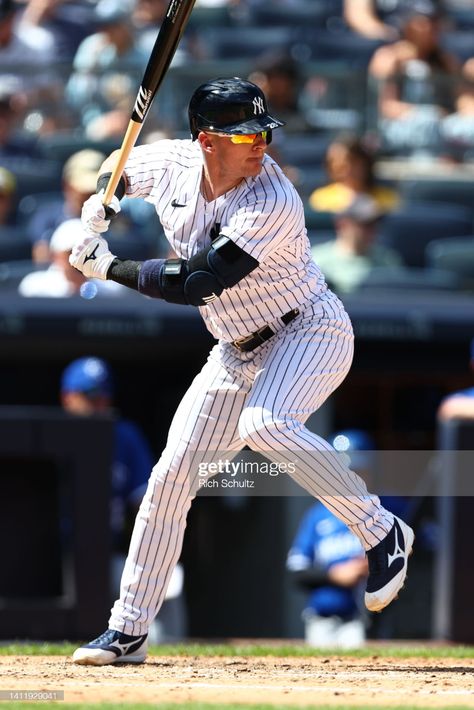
pixel 398 551
pixel 91 256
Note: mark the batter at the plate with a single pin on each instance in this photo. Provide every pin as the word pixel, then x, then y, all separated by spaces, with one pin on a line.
pixel 284 344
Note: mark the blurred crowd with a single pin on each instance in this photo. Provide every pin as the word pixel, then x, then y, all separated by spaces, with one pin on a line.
pixel 377 95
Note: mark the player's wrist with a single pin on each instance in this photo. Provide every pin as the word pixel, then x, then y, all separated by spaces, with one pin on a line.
pixel 103 182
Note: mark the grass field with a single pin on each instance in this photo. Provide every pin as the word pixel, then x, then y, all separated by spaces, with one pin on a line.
pixel 256 650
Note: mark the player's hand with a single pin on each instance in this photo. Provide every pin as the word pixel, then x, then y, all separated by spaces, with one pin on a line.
pixel 349 573
pixel 91 256
pixel 95 216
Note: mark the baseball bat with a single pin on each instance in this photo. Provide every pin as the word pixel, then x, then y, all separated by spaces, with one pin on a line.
pixel 162 53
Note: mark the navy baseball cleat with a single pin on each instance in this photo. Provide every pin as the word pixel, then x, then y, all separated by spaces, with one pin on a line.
pixel 388 566
pixel 112 647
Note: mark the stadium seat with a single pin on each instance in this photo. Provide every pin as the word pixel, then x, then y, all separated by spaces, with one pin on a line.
pixel 14 244
pixel 341 46
pixel 298 13
pixel 458 192
pixel 245 42
pixel 317 220
pixel 34 175
pixel 308 149
pixel 309 178
pixel 453 255
pixel 410 279
pixel 12 272
pixel 29 203
pixel 61 146
pixel 412 226
pixel 458 42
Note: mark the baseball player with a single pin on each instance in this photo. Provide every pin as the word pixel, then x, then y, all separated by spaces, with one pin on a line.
pixel 284 342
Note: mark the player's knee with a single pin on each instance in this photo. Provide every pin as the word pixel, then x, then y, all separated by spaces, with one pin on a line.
pixel 256 427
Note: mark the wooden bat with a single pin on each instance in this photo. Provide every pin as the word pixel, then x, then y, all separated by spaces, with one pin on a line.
pixel 162 53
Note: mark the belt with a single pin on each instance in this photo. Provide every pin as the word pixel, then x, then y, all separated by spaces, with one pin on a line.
pixel 252 341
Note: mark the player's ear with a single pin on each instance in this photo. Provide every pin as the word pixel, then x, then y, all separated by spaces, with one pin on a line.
pixel 206 141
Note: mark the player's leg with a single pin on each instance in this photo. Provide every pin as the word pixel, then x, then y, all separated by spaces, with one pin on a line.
pixel 206 419
pixel 296 375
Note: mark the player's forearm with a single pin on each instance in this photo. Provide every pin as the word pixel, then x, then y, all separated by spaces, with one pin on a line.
pixel 196 282
pixel 310 578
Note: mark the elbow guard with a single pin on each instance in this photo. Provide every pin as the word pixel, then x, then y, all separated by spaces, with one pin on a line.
pixel 200 280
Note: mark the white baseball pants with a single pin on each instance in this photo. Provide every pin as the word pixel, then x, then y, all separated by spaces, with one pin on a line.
pixel 260 399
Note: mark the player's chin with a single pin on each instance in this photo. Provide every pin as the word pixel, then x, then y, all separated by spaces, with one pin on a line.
pixel 254 165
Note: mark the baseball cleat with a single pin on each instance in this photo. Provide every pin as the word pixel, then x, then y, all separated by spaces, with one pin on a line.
pixel 112 647
pixel 388 566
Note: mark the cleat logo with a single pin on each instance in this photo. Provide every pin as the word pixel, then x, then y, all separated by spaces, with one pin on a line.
pixel 124 648
pixel 92 255
pixel 398 551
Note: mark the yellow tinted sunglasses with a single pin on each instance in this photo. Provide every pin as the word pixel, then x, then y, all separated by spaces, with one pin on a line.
pixel 245 138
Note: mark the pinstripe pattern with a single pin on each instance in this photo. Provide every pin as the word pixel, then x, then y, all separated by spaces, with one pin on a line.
pixel 261 398
pixel 263 215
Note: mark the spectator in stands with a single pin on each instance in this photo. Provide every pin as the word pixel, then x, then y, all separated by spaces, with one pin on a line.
pixel 350 169
pixel 7 198
pixel 66 22
pixel 79 180
pixel 365 18
pixel 26 55
pixel 459 405
pixel 457 128
pixel 413 92
pixel 279 77
pixel 14 144
pixel 87 389
pixel 104 58
pixel 147 16
pixel 60 279
pixel 327 561
pixel 347 260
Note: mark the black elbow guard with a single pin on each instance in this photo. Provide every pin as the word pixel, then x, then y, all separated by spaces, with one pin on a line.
pixel 202 279
pixel 220 266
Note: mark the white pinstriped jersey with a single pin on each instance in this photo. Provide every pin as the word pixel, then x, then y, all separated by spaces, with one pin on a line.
pixel 262 215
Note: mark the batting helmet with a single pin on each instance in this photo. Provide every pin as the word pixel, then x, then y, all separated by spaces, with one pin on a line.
pixel 233 106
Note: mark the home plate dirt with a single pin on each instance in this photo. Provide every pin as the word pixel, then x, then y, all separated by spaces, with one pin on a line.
pixel 292 681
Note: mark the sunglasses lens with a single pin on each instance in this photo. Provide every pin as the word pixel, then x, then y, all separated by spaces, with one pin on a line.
pixel 248 138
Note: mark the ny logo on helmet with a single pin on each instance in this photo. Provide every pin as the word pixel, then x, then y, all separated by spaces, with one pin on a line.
pixel 258 106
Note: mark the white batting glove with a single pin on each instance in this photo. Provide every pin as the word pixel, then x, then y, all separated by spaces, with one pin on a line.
pixel 91 256
pixel 94 216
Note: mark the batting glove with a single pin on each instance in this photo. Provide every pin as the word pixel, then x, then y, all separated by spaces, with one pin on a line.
pixel 92 256
pixel 95 216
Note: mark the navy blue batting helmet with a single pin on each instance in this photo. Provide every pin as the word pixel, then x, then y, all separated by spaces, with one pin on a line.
pixel 233 106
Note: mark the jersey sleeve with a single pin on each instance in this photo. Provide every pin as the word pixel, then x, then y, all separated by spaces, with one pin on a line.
pixel 301 554
pixel 271 217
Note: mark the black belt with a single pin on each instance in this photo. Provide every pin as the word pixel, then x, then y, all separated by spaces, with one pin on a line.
pixel 250 342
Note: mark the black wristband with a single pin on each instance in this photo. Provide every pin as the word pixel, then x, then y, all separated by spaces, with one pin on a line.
pixel 103 181
pixel 125 272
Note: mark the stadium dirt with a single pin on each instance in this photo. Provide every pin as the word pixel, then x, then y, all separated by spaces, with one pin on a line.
pixel 329 680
